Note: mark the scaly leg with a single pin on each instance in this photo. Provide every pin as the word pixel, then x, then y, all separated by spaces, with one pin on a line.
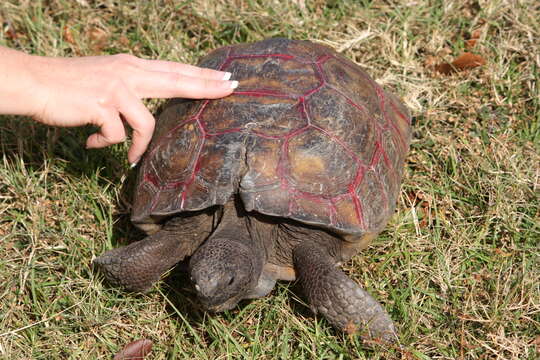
pixel 342 302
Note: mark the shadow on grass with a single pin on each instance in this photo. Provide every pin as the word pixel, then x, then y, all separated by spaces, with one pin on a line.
pixel 62 154
pixel 35 144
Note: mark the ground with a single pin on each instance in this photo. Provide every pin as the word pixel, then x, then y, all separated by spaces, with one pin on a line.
pixel 457 267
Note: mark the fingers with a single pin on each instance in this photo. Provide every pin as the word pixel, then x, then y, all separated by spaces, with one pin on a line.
pixel 111 131
pixel 183 69
pixel 168 79
pixel 170 85
pixel 140 120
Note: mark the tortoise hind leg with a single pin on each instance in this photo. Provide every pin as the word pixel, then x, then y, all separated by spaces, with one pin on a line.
pixel 342 302
pixel 138 266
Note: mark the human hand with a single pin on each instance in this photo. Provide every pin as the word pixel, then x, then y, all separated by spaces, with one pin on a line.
pixel 105 90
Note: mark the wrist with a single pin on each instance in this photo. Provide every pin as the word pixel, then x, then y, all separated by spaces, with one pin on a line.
pixel 18 85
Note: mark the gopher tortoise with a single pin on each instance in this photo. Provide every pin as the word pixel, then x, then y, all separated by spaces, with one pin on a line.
pixel 286 179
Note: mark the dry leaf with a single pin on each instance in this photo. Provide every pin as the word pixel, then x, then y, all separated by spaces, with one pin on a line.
pixel 430 61
pixel 463 62
pixel 98 38
pixel 10 32
pixel 475 35
pixel 124 41
pixel 502 253
pixel 469 44
pixel 135 350
pixel 350 328
pixel 68 36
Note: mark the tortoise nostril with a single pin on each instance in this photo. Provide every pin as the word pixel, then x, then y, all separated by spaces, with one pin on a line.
pixel 231 281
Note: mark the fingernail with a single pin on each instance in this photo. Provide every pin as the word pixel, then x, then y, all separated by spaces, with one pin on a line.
pixel 133 164
pixel 227 76
pixel 234 84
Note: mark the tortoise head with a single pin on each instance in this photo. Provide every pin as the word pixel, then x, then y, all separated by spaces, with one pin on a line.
pixel 223 272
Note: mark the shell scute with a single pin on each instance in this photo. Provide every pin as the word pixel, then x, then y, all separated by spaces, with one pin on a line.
pixel 263 116
pixel 273 75
pixel 355 85
pixel 318 165
pixel 327 109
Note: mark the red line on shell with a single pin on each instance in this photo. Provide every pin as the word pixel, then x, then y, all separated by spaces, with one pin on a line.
pixel 204 132
pixel 386 160
pixel 320 72
pixel 281 167
pixel 187 121
pixel 320 199
pixel 296 132
pixel 358 210
pixel 323 58
pixel 376 155
pixel 382 104
pixel 340 197
pixel 313 91
pixel 203 107
pixel 255 56
pixel 302 108
pixel 151 179
pixel 400 114
pixel 354 197
pixel 358 106
pixel 196 168
pixel 227 60
pixel 154 202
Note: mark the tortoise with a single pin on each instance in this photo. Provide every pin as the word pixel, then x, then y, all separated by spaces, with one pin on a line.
pixel 287 178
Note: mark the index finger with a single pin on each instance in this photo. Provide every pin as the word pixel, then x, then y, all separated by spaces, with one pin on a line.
pixel 184 69
pixel 140 120
pixel 169 85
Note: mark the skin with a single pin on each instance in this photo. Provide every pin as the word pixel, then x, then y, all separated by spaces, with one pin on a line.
pixel 104 91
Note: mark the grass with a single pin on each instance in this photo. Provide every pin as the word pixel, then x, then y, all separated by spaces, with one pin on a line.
pixel 457 267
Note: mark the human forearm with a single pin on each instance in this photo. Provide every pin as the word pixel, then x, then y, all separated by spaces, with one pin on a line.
pixel 16 83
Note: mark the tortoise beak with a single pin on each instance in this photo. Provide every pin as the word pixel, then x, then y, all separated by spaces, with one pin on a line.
pixel 227 305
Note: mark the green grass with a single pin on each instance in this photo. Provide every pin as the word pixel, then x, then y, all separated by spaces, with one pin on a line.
pixel 457 267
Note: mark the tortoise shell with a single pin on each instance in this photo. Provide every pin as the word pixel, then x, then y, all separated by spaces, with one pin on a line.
pixel 308 135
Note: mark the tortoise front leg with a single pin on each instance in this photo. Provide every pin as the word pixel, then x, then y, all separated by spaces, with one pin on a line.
pixel 342 302
pixel 138 266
